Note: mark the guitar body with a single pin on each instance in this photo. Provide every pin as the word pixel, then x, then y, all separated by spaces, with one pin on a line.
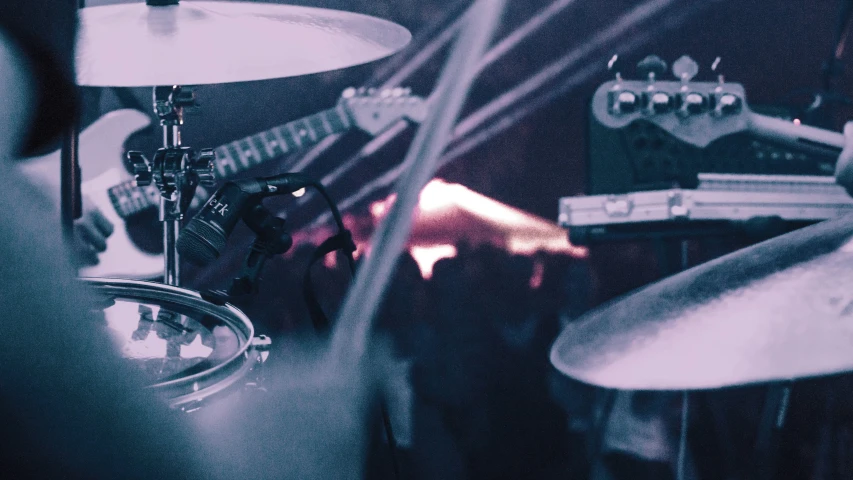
pixel 101 152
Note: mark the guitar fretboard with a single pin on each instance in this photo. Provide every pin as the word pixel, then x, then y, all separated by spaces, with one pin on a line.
pixel 240 155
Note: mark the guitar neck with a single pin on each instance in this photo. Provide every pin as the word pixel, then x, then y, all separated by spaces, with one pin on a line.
pixel 240 155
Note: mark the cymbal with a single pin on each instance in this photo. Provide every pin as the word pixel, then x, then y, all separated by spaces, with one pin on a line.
pixel 195 43
pixel 779 310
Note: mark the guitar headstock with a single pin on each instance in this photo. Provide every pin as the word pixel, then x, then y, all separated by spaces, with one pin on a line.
pixel 694 112
pixel 375 110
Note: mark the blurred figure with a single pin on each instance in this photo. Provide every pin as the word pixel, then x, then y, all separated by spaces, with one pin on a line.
pixel 482 403
pixel 74 409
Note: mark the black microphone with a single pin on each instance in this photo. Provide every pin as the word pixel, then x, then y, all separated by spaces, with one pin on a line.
pixel 204 237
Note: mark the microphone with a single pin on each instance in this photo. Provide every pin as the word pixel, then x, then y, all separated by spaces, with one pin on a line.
pixel 204 237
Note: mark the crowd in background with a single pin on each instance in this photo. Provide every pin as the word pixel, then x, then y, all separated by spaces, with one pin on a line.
pixel 473 394
pixel 471 398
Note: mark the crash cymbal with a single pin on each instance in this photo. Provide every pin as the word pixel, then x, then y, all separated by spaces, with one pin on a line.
pixel 195 43
pixel 779 310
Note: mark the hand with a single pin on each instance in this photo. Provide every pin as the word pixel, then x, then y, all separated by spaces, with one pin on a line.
pixel 90 237
pixel 844 166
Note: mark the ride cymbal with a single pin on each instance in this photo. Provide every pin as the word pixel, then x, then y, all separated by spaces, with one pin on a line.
pixel 779 310
pixel 194 43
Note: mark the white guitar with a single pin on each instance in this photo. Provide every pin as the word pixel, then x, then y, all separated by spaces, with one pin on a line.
pixel 107 185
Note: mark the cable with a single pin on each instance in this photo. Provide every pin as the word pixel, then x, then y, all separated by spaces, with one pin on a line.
pixel 343 242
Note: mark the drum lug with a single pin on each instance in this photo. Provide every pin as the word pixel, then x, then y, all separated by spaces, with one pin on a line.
pixel 261 344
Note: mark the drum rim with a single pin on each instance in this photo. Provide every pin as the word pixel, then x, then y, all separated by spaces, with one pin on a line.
pixel 235 319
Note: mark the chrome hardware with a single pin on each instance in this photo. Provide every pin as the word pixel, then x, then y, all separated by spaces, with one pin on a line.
pixel 728 103
pixel 685 68
pixel 651 67
pixel 659 102
pixel 676 207
pixel 203 167
pixel 140 167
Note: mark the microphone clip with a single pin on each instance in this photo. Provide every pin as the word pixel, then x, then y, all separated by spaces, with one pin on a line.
pixel 272 239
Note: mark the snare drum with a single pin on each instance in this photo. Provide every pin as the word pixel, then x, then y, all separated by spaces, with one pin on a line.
pixel 188 349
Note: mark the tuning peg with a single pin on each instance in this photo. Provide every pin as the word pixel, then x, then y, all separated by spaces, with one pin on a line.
pixel 407 91
pixel 612 63
pixel 203 165
pixel 371 91
pixel 140 167
pixel 729 104
pixel 348 93
pixel 685 68
pixel 651 67
pixel 714 67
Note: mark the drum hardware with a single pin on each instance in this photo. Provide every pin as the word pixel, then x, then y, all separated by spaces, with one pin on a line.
pixel 203 350
pixel 169 44
pixel 165 42
pixel 110 188
pixel 271 239
pixel 176 170
pixel 70 197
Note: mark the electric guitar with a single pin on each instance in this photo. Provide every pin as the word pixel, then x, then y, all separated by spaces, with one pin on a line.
pixel 107 186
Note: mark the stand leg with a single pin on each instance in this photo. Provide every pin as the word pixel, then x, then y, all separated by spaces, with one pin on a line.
pixel 171 227
pixel 71 199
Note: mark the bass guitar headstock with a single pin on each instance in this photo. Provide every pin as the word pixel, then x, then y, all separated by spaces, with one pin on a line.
pixel 374 110
pixel 696 113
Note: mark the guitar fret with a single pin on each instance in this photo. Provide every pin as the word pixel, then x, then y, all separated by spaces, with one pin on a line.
pixel 316 124
pixel 249 151
pixel 225 162
pixel 324 121
pixel 309 129
pixel 268 147
pixel 241 153
pixel 256 140
pixel 118 200
pixel 151 192
pixel 343 116
pixel 294 134
pixel 333 125
pixel 282 145
pixel 138 201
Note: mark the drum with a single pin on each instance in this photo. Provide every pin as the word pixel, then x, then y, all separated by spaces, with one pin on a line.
pixel 188 349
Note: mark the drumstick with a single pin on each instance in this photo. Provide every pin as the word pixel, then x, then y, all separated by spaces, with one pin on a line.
pixel 350 336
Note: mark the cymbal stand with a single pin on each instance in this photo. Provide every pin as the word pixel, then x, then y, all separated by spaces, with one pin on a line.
pixel 176 170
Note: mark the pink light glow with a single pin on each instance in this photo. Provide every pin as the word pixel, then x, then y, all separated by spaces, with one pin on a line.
pixel 450 213
pixel 427 256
